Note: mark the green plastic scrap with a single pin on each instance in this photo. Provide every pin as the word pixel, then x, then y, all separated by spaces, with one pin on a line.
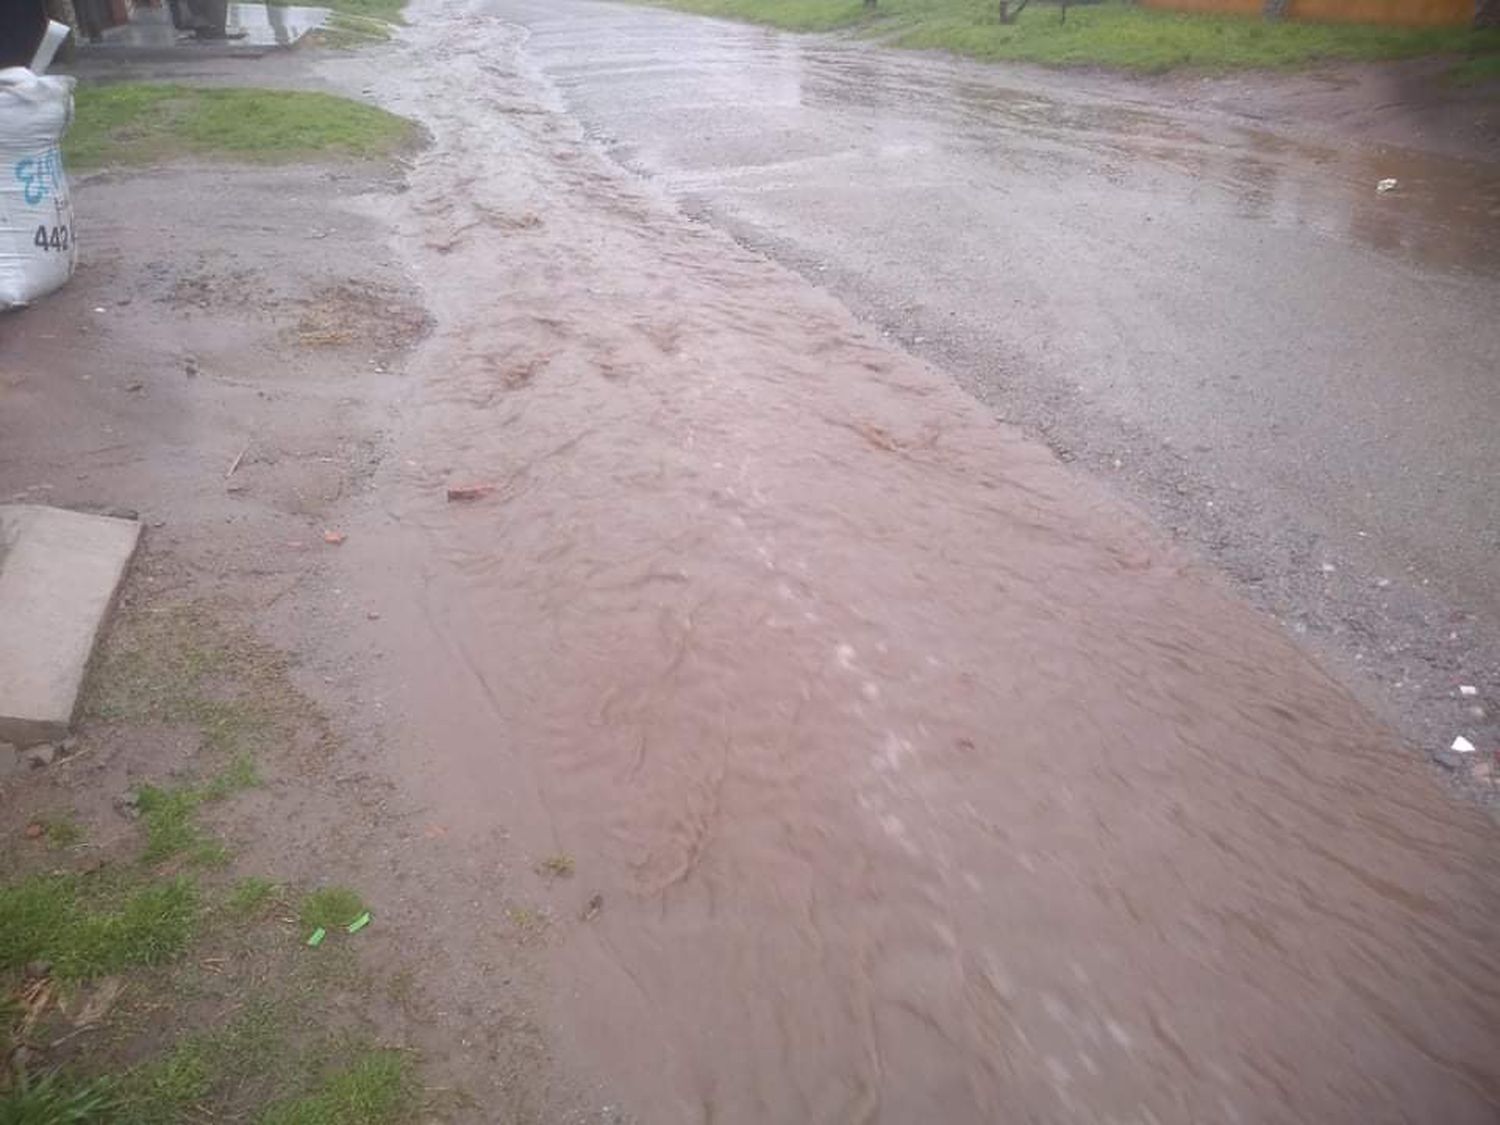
pixel 359 923
pixel 317 937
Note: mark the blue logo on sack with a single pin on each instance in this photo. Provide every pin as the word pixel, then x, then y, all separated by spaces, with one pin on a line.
pixel 39 174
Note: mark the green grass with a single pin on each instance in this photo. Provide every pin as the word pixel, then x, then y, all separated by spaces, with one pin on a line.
pixel 331 908
pixel 177 665
pixel 220 1017
pixel 374 1089
pixel 251 896
pixel 238 775
pixel 169 816
pixel 348 32
pixel 163 1089
pixel 387 10
pixel 1123 36
pixel 137 124
pixel 1479 68
pixel 50 1100
pixel 62 832
pixel 356 23
pixel 87 931
pixel 254 1047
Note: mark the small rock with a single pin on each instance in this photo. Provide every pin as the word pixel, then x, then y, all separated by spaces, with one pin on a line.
pixel 591 911
pixel 39 757
pixel 373 615
pixel 128 805
pixel 68 746
pixel 37 970
pixel 334 537
pixel 35 830
pixel 135 387
pixel 190 366
pixel 1467 689
pixel 1449 759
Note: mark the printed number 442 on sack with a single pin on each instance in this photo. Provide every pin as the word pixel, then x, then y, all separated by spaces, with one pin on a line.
pixel 51 238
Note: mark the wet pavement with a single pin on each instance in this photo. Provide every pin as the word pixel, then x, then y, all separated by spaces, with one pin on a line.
pixel 1295 372
pixel 904 774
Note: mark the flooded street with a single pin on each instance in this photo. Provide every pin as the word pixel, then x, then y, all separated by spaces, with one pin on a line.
pixel 1293 372
pixel 902 772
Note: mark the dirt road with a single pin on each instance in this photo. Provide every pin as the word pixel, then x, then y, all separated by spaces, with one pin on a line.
pixel 905 775
pixel 1191 287
pixel 776 737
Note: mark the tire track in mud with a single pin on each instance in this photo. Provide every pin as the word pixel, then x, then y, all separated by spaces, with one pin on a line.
pixel 920 781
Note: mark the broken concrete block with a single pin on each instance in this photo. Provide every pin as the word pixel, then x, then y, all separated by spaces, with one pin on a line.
pixel 59 571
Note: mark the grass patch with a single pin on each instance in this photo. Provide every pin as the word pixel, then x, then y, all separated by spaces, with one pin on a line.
pixel 49 1100
pixel 170 815
pixel 87 932
pixel 210 1012
pixel 1119 35
pixel 356 23
pixel 250 1049
pixel 177 665
pixel 376 1088
pixel 1481 67
pixel 387 10
pixel 345 33
pixel 330 908
pixel 141 123
pixel 62 832
pixel 238 775
pixel 252 896
pixel 164 1089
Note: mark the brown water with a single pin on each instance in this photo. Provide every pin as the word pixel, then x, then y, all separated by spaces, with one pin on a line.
pixel 920 781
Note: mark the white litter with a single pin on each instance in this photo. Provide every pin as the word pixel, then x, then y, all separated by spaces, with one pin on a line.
pixel 1463 745
pixel 1467 689
pixel 1385 185
pixel 37 247
pixel 52 39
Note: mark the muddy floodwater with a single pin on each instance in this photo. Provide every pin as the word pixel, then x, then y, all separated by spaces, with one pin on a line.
pixel 905 775
pixel 1191 286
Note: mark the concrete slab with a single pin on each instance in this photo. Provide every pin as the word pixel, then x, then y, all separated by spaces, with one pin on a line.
pixel 59 571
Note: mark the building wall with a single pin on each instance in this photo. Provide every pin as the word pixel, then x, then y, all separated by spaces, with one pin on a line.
pixel 1409 13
